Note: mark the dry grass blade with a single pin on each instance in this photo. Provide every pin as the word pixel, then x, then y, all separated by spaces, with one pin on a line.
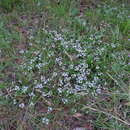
pixel 108 114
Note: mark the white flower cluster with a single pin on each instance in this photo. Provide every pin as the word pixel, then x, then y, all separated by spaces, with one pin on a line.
pixel 66 64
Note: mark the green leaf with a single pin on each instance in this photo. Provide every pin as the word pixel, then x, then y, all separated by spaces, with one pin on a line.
pixel 2 85
pixel 116 67
pixel 74 12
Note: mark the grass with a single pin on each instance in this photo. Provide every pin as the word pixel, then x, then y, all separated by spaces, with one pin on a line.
pixel 63 66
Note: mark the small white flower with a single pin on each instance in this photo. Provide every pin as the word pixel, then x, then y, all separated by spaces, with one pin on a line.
pixel 42 78
pixel 97 67
pixel 36 52
pixel 31 94
pixel 44 94
pixel 65 74
pixel 59 90
pixel 21 51
pixel 61 82
pixel 113 45
pixel 54 74
pixel 78 87
pixel 64 100
pixel 16 88
pixel 39 86
pixel 59 61
pixel 44 30
pixel 30 44
pixel 45 120
pixel 98 91
pixel 21 105
pixel 71 66
pixel 31 37
pixel 14 101
pixel 29 68
pixel 50 109
pixel 96 79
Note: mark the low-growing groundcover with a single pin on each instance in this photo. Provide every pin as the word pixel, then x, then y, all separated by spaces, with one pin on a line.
pixel 62 69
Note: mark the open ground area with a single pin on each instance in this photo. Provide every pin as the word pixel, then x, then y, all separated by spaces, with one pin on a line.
pixel 65 65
